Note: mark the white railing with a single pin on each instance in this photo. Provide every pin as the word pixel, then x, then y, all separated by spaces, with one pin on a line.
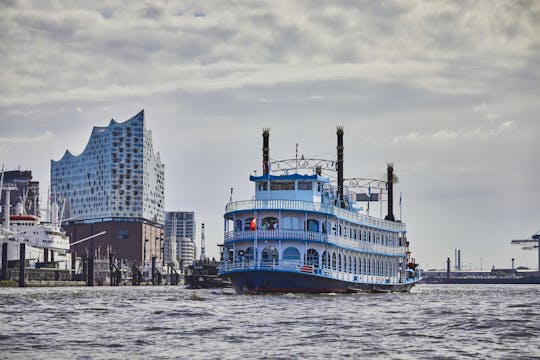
pixel 297 266
pixel 302 235
pixel 316 207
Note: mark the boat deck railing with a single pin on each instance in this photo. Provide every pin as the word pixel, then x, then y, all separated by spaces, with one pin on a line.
pixel 302 235
pixel 297 266
pixel 314 207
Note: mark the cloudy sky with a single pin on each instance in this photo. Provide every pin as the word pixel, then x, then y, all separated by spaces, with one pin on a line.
pixel 448 91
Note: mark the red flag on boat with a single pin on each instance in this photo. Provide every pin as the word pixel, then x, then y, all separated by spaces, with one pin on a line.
pixel 253 224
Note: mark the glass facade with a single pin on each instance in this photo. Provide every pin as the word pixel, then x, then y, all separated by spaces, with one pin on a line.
pixel 116 176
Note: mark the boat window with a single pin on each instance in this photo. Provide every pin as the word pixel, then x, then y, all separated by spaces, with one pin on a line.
pixel 305 185
pixel 291 223
pixel 355 268
pixel 312 225
pixel 312 258
pixel 269 223
pixel 339 262
pixel 238 225
pixel 350 264
pixel 334 261
pixel 291 253
pixel 247 223
pixel 282 185
pixel 324 227
pixel 270 255
pixel 248 254
pixel 262 186
pixel 325 259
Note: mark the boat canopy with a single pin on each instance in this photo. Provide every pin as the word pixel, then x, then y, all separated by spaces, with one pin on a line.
pixel 268 177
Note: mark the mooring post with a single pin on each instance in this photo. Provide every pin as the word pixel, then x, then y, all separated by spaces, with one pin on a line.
pixel 154 270
pixel 22 261
pixel 73 259
pixel 90 275
pixel 4 261
pixel 112 274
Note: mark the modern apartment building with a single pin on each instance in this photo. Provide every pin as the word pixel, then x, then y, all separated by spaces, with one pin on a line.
pixel 180 228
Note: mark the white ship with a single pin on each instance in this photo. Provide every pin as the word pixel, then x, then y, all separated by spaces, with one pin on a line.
pixel 46 244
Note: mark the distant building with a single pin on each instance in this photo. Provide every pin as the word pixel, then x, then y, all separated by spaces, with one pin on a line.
pixel 117 185
pixel 180 228
pixel 26 198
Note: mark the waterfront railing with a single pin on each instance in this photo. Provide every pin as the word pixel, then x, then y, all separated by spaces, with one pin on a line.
pixel 297 205
pixel 302 235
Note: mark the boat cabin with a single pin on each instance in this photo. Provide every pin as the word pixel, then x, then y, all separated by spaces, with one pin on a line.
pixel 290 187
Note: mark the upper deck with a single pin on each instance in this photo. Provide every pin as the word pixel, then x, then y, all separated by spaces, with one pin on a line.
pixel 305 206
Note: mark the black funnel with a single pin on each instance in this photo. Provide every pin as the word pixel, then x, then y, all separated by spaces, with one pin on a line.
pixel 390 186
pixel 266 151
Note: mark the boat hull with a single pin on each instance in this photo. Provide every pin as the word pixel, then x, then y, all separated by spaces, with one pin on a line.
pixel 272 281
pixel 205 282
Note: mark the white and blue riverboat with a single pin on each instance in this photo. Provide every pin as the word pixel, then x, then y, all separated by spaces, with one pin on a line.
pixel 303 232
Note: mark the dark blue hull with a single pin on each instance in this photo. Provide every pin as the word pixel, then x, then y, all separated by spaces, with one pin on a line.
pixel 272 281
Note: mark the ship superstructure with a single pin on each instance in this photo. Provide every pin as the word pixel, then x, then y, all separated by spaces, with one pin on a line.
pixel 303 232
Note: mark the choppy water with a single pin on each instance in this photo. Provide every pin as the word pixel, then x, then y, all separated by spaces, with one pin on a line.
pixel 432 322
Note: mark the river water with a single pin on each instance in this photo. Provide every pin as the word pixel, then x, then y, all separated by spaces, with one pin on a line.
pixel 162 322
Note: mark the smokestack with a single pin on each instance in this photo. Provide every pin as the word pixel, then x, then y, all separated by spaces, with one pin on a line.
pixel 459 260
pixel 266 151
pixel 390 184
pixel 340 166
pixel 448 268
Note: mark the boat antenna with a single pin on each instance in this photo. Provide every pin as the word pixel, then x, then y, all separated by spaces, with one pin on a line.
pixel 1 183
pixel 296 157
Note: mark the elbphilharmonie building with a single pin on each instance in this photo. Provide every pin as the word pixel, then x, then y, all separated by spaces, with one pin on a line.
pixel 115 185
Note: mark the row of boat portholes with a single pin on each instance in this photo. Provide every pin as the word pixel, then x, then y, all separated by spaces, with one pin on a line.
pixel 365 264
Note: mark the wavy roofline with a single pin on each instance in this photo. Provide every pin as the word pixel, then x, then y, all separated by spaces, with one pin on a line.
pixel 100 129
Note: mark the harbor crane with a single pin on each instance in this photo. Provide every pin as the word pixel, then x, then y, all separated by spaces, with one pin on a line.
pixel 531 243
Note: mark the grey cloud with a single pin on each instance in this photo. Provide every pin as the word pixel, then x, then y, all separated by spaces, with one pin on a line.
pixel 151 12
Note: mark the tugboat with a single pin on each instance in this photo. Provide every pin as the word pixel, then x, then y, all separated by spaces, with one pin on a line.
pixel 304 233
pixel 203 273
